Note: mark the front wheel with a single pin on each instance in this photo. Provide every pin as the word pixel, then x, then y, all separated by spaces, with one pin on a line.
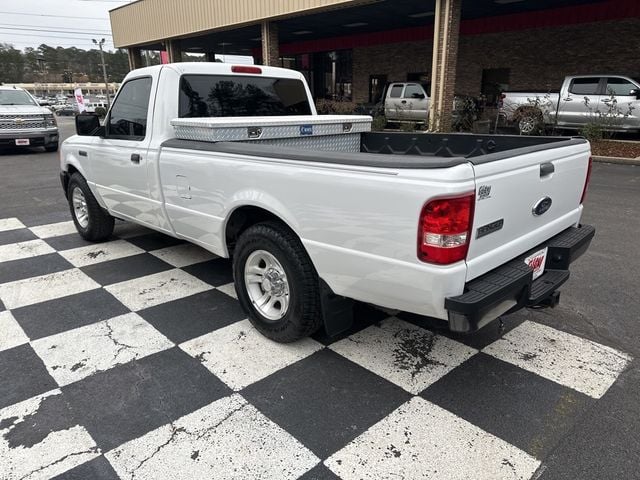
pixel 276 283
pixel 92 223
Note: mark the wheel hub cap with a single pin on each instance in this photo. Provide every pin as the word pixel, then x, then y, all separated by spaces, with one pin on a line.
pixel 80 207
pixel 267 285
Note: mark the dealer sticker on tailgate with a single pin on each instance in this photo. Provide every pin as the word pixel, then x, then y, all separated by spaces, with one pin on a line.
pixel 537 262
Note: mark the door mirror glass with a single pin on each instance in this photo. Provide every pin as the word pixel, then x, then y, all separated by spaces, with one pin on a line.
pixel 419 96
pixel 88 124
pixel 635 93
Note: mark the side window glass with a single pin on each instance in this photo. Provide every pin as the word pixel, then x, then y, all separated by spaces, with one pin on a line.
pixel 619 87
pixel 585 86
pixel 414 91
pixel 128 116
pixel 396 91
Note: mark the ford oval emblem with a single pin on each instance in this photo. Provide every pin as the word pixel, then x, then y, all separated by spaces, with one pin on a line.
pixel 542 206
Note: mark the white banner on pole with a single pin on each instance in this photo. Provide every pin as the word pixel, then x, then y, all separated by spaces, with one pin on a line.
pixel 80 100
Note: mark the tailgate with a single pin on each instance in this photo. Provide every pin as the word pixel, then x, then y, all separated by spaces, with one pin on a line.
pixel 523 201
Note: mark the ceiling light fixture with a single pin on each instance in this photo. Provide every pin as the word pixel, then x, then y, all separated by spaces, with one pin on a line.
pixel 302 32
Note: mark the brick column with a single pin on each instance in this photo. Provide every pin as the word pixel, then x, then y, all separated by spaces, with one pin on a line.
pixel 446 34
pixel 270 44
pixel 135 58
pixel 174 50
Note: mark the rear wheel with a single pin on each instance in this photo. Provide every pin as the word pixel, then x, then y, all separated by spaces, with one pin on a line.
pixel 276 283
pixel 92 223
pixel 530 121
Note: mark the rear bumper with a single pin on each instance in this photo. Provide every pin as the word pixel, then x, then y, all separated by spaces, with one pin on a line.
pixel 511 287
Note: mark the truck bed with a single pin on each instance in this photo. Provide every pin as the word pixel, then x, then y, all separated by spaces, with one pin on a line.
pixel 398 149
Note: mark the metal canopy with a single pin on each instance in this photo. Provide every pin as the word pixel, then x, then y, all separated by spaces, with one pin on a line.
pixel 380 16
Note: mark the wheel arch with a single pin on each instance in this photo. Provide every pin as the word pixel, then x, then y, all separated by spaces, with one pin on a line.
pixel 244 216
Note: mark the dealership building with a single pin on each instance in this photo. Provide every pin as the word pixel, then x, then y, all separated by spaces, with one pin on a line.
pixel 350 49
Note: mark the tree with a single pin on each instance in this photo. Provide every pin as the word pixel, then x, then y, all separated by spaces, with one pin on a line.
pixel 55 64
pixel 11 64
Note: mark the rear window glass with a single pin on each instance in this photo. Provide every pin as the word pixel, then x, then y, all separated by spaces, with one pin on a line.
pixel 237 96
pixel 396 91
pixel 585 86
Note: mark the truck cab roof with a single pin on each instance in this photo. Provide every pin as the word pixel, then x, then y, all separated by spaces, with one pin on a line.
pixel 217 68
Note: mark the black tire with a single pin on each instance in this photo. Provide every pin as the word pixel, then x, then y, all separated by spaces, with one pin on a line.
pixel 303 316
pixel 53 147
pixel 100 224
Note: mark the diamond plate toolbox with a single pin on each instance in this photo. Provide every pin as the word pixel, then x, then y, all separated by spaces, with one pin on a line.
pixel 303 131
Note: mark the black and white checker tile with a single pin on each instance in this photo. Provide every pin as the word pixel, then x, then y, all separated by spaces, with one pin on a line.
pixel 131 359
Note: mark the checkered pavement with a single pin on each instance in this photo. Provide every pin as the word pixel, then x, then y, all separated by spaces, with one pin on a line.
pixel 131 359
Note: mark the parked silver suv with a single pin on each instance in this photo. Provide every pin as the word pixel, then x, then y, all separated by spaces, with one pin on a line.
pixel 24 123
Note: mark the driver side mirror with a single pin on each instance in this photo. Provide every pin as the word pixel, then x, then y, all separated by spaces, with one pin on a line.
pixel 635 93
pixel 88 125
pixel 419 96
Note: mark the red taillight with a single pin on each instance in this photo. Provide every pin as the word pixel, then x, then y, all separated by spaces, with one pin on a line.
pixel 586 182
pixel 246 69
pixel 445 229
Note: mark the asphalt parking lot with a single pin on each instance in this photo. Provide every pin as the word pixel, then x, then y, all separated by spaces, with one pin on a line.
pixel 132 359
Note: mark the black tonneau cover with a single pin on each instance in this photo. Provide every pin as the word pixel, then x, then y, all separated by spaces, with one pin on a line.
pixel 397 149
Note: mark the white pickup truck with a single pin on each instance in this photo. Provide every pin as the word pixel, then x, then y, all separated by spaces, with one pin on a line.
pixel 462 228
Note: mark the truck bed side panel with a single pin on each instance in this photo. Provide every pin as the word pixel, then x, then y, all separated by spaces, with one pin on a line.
pixel 359 224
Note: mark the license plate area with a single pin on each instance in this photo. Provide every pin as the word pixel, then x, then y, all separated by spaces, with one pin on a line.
pixel 22 142
pixel 537 262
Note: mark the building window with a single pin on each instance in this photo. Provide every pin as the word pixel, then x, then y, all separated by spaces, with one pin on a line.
pixel 420 77
pixel 377 84
pixel 494 82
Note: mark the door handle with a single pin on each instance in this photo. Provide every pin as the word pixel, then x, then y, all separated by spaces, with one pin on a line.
pixel 135 158
pixel 546 169
pixel 403 101
pixel 82 153
pixel 568 99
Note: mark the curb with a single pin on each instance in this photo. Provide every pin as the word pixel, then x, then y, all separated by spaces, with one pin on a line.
pixel 617 160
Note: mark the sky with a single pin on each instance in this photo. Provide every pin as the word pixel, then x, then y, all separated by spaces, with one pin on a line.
pixel 65 23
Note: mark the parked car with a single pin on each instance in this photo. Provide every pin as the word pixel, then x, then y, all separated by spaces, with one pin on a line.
pixel 24 123
pixel 91 106
pixel 409 102
pixel 66 109
pixel 462 228
pixel 612 101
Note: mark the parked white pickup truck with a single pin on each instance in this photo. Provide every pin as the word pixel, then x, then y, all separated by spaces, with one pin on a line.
pixel 611 101
pixel 462 228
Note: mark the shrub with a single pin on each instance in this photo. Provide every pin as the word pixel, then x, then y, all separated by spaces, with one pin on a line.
pixel 379 123
pixel 593 132
pixel 408 127
pixel 331 107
